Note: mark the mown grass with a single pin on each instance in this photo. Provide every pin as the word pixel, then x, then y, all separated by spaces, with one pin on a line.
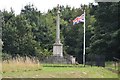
pixel 62 65
pixel 63 71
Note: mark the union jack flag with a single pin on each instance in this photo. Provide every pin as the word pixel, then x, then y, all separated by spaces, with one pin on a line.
pixel 78 19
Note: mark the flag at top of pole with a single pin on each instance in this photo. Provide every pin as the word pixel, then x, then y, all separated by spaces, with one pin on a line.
pixel 76 21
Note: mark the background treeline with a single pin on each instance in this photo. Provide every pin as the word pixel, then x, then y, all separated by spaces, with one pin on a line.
pixel 32 33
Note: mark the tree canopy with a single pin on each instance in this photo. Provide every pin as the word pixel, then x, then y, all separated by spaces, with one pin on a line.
pixel 32 33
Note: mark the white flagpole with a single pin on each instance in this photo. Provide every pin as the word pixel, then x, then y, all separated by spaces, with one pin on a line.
pixel 84 42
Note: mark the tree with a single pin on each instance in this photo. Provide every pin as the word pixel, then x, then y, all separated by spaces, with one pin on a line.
pixel 26 33
pixel 106 27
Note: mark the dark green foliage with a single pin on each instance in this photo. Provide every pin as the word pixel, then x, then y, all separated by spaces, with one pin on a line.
pixel 26 34
pixel 105 39
pixel 33 33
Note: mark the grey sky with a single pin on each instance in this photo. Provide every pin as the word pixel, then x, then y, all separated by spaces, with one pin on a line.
pixel 42 5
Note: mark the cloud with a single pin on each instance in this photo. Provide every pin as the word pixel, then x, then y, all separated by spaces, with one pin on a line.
pixel 42 5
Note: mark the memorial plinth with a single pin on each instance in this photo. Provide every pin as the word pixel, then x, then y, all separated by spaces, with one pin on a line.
pixel 57 57
pixel 58 49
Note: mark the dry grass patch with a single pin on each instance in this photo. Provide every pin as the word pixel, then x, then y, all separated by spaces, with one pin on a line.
pixel 21 64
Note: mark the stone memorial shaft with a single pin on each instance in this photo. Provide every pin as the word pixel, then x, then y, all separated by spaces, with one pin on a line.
pixel 57 46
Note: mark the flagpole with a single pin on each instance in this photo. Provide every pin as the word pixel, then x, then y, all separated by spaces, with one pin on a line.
pixel 84 42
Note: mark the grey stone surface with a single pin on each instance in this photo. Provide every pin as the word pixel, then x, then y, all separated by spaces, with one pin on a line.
pixel 57 46
pixel 58 50
pixel 56 60
pixel 57 56
pixel 72 59
pixel 59 60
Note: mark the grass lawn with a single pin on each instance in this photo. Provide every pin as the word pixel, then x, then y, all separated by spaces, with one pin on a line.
pixel 48 71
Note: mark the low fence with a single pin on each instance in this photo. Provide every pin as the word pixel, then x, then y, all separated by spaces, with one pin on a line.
pixel 95 60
